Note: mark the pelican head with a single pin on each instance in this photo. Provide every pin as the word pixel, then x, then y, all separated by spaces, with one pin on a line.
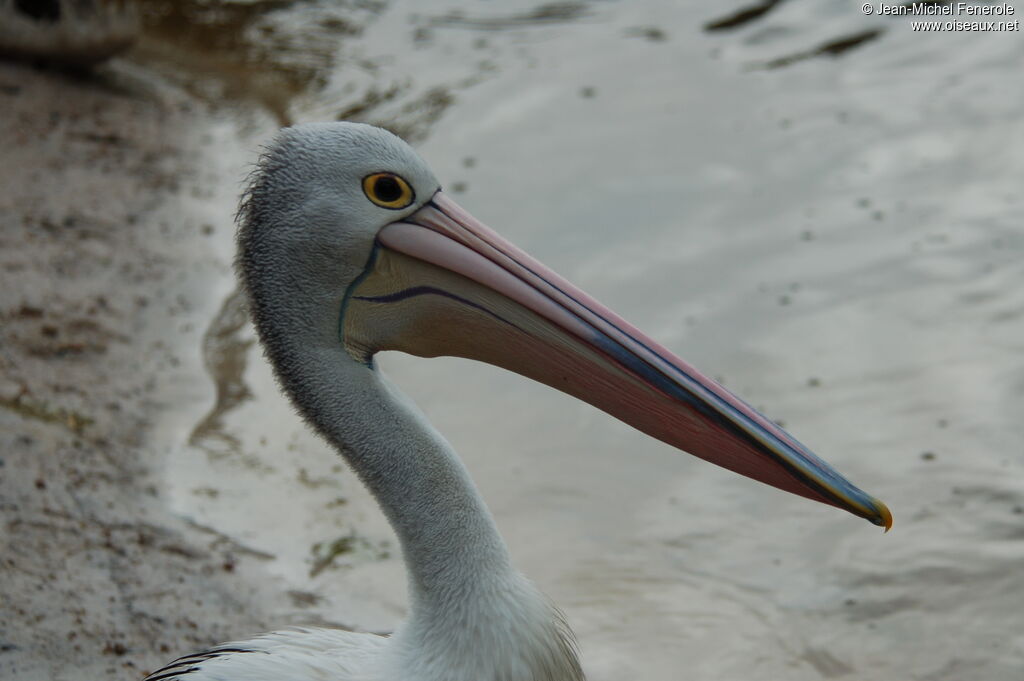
pixel 319 199
pixel 345 230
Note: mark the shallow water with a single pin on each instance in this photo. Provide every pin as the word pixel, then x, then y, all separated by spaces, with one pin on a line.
pixel 835 236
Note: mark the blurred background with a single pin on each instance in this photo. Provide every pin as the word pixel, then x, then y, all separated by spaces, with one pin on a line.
pixel 820 208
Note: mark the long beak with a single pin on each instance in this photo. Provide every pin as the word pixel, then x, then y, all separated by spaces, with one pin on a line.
pixel 440 282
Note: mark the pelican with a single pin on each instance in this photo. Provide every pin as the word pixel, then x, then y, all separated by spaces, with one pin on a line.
pixel 346 247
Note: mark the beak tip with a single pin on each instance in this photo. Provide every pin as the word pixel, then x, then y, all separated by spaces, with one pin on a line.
pixel 884 517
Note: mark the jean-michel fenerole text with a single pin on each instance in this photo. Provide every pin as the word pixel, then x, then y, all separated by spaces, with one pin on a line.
pixel 956 9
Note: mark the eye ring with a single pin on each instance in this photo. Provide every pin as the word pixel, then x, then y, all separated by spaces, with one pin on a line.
pixel 388 190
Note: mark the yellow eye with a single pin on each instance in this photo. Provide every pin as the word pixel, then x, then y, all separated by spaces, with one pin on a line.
pixel 388 190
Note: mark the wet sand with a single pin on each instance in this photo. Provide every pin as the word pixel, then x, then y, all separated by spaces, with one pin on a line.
pixel 107 275
pixel 828 222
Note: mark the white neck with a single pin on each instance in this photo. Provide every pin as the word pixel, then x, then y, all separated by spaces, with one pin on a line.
pixel 473 617
pixel 450 542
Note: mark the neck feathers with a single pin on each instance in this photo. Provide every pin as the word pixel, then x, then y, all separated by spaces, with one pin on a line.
pixel 513 633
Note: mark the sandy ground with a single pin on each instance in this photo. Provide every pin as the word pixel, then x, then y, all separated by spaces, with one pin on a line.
pixel 97 260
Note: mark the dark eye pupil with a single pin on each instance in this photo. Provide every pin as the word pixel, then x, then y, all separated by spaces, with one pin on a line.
pixel 387 189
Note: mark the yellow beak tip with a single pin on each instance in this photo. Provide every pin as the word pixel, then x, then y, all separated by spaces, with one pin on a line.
pixel 885 516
